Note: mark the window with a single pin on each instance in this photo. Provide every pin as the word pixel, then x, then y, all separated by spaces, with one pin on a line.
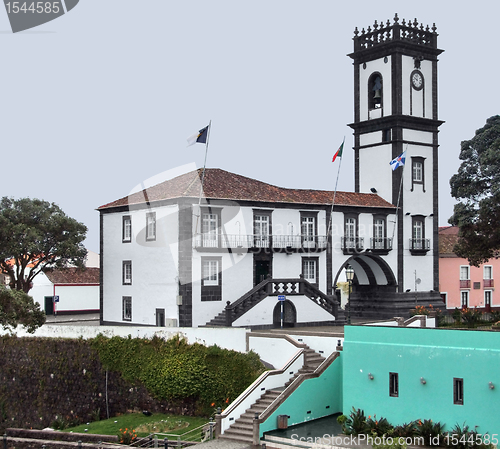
pixel 310 269
pixel 464 276
pixel 379 233
pixel 308 229
pixel 262 228
pixel 350 232
pixel 211 283
pixel 458 391
pixel 127 308
pixel 210 225
pixel 151 226
pixel 393 385
pixel 488 276
pixel 210 272
pixel 419 244
pixel 127 272
pixel 351 243
pixel 464 299
pixel 386 135
pixel 127 229
pixel 417 168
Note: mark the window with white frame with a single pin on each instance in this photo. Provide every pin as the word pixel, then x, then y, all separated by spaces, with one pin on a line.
pixel 308 229
pixel 379 233
pixel 151 226
pixel 127 229
pixel 418 234
pixel 350 232
pixel 310 269
pixel 417 166
pixel 127 308
pixel 210 273
pixel 261 226
pixel 464 273
pixel 210 226
pixel 127 272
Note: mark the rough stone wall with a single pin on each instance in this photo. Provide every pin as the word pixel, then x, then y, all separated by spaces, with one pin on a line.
pixel 42 379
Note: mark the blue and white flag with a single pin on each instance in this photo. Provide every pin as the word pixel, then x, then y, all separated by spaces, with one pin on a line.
pixel 199 137
pixel 398 161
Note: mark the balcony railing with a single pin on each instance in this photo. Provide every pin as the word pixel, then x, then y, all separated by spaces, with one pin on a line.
pixel 352 245
pixel 419 246
pixel 488 283
pixel 464 283
pixel 381 244
pixel 255 241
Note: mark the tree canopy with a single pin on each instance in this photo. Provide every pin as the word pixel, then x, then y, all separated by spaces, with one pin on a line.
pixel 35 235
pixel 477 188
pixel 16 308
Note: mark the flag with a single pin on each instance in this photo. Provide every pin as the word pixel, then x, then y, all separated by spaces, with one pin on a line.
pixel 398 161
pixel 339 151
pixel 199 137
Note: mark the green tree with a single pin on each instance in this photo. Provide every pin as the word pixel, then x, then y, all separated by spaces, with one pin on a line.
pixel 477 188
pixel 16 307
pixel 35 235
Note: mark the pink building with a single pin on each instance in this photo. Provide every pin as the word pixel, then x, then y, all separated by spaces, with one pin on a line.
pixel 460 284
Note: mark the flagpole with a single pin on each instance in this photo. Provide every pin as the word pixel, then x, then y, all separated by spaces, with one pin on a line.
pixel 203 175
pixel 399 197
pixel 335 191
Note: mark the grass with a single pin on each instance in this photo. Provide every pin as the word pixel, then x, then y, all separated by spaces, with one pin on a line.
pixel 142 424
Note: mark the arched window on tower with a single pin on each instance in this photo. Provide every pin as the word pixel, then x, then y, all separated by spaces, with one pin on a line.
pixel 375 91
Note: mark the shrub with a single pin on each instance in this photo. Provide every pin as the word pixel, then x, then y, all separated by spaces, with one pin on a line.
pixel 355 424
pixel 378 427
pixel 465 438
pixel 406 430
pixel 432 433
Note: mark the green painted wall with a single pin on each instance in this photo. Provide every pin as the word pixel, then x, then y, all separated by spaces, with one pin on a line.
pixel 437 355
pixel 313 395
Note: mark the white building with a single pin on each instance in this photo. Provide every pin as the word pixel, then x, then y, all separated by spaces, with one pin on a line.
pixel 166 260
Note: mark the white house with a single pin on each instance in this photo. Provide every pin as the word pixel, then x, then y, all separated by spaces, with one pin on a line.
pixel 76 290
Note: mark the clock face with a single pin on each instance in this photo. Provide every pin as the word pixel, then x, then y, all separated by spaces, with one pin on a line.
pixel 417 80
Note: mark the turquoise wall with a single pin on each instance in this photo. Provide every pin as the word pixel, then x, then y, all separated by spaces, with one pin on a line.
pixel 321 396
pixel 437 355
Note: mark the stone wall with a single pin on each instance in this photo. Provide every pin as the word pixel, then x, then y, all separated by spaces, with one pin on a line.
pixel 46 379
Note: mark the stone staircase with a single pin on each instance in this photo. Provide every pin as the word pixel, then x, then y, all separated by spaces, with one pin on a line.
pixel 242 428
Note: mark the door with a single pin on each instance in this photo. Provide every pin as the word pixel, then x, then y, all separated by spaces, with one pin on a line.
pixel 261 271
pixel 160 317
pixel 289 314
pixel 49 305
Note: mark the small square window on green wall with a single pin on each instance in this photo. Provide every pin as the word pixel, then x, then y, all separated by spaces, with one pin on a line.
pixel 394 385
pixel 458 391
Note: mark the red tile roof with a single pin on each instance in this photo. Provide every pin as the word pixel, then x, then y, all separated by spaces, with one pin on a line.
pixel 220 184
pixel 73 275
pixel 448 238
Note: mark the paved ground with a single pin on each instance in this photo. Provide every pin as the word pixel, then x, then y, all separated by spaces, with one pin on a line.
pixel 224 444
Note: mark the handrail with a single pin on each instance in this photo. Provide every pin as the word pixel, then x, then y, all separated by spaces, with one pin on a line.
pixel 303 287
pixel 253 393
pixel 295 384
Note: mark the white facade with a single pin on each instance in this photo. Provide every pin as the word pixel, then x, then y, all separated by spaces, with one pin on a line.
pixel 203 257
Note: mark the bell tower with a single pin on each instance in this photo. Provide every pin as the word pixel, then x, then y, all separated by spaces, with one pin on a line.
pixel 396 111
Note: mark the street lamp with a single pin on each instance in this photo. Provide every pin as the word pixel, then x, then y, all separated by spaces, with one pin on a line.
pixel 349 275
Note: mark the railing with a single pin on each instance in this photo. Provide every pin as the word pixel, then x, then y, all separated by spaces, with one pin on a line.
pixel 266 381
pixel 199 434
pixel 252 241
pixel 420 245
pixel 275 287
pixel 382 244
pixel 488 283
pixel 352 244
pixel 464 283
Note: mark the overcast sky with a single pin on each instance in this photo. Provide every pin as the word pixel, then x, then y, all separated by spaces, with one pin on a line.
pixel 104 97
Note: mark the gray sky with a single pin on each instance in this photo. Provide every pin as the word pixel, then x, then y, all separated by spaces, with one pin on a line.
pixel 104 97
